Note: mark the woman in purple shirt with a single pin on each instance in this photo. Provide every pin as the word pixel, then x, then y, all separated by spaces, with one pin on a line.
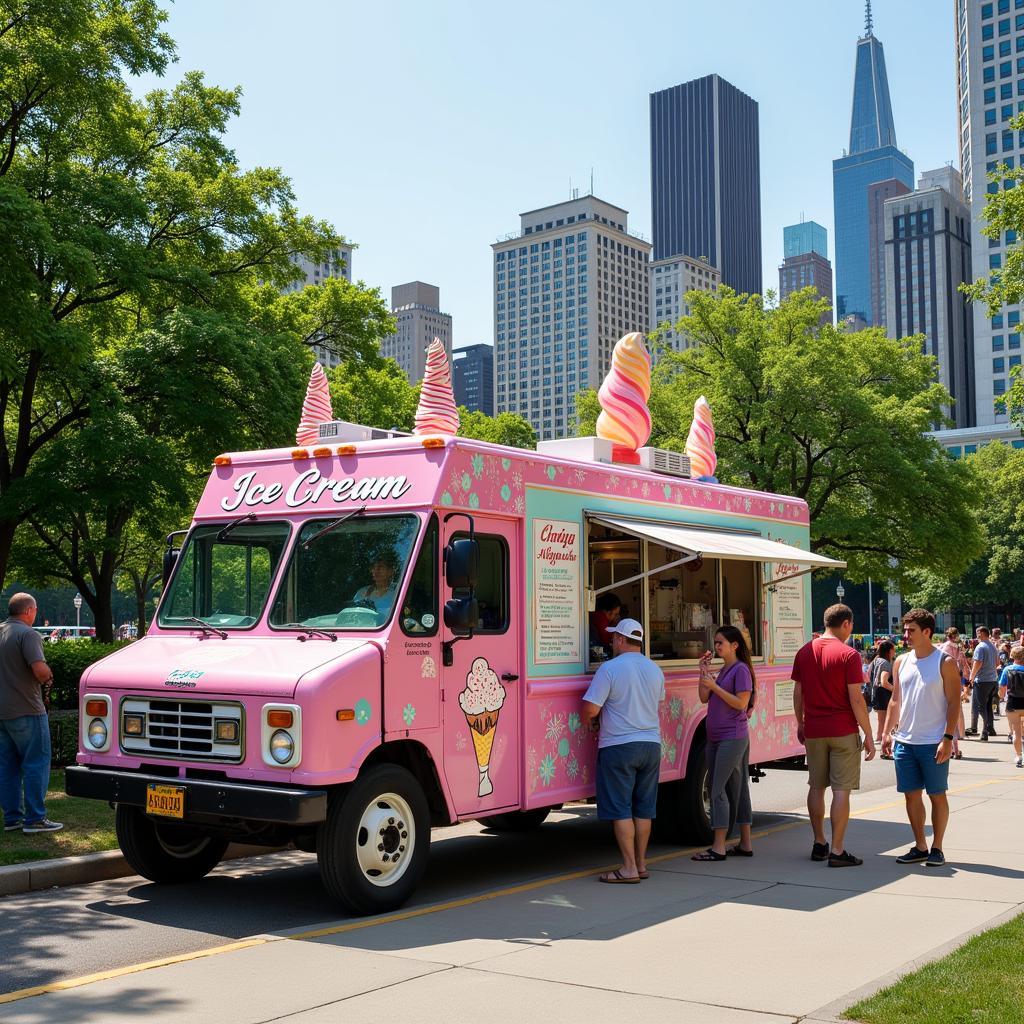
pixel 730 698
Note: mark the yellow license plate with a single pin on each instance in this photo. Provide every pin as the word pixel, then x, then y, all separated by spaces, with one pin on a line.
pixel 165 801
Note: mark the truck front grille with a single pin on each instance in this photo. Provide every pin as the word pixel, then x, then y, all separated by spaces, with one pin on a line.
pixel 183 729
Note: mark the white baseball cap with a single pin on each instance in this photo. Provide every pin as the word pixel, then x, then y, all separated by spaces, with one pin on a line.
pixel 629 628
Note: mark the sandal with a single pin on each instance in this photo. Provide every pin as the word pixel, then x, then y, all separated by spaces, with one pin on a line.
pixel 708 855
pixel 616 877
pixel 736 851
pixel 643 874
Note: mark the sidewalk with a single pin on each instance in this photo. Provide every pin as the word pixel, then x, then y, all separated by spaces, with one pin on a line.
pixel 803 941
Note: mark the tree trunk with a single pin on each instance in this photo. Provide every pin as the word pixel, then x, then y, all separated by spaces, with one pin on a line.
pixel 7 531
pixel 103 611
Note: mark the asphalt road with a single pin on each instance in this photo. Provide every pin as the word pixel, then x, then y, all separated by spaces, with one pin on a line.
pixel 67 933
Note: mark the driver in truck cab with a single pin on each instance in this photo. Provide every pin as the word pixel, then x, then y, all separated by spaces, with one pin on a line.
pixel 381 592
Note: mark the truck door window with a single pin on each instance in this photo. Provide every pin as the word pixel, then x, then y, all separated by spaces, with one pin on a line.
pixel 492 583
pixel 419 611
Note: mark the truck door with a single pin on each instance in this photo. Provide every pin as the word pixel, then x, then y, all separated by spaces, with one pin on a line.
pixel 481 699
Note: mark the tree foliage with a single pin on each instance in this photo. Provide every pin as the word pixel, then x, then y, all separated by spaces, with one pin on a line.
pixel 834 418
pixel 506 428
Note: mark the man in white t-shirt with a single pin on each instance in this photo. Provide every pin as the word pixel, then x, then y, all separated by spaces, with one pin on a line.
pixel 926 704
pixel 625 692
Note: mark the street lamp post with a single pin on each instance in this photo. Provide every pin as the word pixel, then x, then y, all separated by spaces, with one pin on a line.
pixel 78 612
pixel 840 590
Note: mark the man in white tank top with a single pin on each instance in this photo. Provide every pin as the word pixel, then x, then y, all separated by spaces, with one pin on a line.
pixel 926 705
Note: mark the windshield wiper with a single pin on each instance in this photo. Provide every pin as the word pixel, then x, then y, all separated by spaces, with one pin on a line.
pixel 310 632
pixel 207 628
pixel 225 530
pixel 333 526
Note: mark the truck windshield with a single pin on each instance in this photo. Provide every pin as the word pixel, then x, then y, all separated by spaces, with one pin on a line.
pixel 224 582
pixel 349 577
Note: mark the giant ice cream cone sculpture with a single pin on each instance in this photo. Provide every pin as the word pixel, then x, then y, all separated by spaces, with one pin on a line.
pixel 316 407
pixel 437 412
pixel 625 419
pixel 700 443
pixel 481 701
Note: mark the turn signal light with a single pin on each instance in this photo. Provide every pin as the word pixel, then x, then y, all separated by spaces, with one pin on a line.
pixel 321 453
pixel 433 442
pixel 96 707
pixel 300 453
pixel 346 715
pixel 222 460
pixel 346 449
pixel 279 719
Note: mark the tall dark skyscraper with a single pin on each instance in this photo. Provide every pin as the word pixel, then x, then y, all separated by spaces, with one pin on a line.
pixel 706 178
pixel 872 158
pixel 473 378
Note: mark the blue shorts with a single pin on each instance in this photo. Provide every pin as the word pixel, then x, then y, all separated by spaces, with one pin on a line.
pixel 627 781
pixel 916 768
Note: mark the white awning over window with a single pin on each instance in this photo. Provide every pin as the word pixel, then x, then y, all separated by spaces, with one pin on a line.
pixel 693 540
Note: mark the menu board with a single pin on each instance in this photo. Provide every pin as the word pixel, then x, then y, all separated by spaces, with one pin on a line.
pixel 784 697
pixel 787 642
pixel 788 600
pixel 557 620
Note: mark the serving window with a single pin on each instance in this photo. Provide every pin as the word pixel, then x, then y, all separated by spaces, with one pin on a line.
pixel 680 598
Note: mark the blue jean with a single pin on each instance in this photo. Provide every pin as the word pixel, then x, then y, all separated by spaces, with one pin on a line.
pixel 24 766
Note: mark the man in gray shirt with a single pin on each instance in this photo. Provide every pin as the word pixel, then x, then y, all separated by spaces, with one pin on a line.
pixel 24 726
pixel 984 679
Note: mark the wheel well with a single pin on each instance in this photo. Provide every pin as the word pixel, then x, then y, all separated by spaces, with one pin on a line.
pixel 415 758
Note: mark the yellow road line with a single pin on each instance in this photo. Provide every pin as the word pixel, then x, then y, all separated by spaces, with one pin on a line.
pixel 407 915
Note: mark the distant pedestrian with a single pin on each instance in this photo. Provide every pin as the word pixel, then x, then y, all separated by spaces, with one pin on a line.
pixel 829 709
pixel 1011 683
pixel 984 681
pixel 625 692
pixel 729 698
pixel 25 680
pixel 880 683
pixel 952 648
pixel 925 704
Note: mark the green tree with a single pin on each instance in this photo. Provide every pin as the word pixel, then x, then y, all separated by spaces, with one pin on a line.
pixel 506 428
pixel 375 393
pixel 834 418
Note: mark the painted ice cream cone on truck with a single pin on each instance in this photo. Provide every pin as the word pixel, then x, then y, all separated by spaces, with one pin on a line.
pixel 481 701
pixel 625 419
pixel 700 443
pixel 437 412
pixel 316 407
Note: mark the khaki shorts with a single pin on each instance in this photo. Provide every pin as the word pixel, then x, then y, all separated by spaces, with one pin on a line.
pixel 834 761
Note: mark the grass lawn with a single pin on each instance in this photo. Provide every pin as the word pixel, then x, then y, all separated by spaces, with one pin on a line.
pixel 88 827
pixel 982 982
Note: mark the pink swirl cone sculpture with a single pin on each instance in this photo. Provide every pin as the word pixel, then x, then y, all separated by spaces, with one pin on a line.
pixel 700 443
pixel 625 419
pixel 316 407
pixel 437 412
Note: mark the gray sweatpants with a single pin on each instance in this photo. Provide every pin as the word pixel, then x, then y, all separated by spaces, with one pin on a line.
pixel 729 781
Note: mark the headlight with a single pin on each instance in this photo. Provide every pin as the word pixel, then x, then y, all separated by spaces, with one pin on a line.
pixel 134 725
pixel 282 746
pixel 97 733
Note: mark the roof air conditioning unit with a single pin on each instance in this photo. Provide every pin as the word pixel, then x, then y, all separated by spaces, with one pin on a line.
pixel 659 460
pixel 340 430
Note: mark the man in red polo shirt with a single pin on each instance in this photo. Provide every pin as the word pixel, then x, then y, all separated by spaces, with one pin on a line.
pixel 829 708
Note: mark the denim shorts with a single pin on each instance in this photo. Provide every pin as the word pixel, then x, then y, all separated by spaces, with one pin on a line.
pixel 916 768
pixel 627 781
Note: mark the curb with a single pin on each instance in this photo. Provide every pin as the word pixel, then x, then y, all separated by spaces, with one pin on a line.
pixel 88 867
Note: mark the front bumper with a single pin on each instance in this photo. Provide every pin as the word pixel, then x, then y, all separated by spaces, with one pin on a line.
pixel 275 804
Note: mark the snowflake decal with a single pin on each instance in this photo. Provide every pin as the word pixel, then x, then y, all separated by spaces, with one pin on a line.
pixel 556 726
pixel 581 476
pixel 519 505
pixel 563 747
pixel 675 708
pixel 477 463
pixel 574 722
pixel 408 714
pixel 547 769
pixel 572 767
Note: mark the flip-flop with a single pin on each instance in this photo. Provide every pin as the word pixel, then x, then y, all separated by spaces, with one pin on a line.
pixel 708 855
pixel 735 851
pixel 643 875
pixel 616 877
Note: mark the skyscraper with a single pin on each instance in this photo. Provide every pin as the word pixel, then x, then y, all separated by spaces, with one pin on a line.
pixel 417 308
pixel 706 178
pixel 473 378
pixel 871 158
pixel 805 262
pixel 927 259
pixel 671 280
pixel 566 288
pixel 990 84
pixel 339 266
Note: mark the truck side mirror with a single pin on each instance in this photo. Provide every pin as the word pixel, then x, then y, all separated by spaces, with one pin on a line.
pixel 462 614
pixel 462 564
pixel 170 557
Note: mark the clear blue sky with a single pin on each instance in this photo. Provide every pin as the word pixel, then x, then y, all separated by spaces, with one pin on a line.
pixel 422 129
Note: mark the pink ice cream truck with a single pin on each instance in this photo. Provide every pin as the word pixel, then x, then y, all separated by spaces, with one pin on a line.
pixel 362 639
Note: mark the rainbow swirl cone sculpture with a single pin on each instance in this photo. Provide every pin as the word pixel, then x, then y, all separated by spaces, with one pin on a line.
pixel 316 407
pixel 625 419
pixel 700 443
pixel 437 412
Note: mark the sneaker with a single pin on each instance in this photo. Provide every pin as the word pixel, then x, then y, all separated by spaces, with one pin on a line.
pixel 819 851
pixel 15 826
pixel 42 826
pixel 913 856
pixel 844 860
pixel 983 737
pixel 936 859
pixel 970 732
pixel 1020 762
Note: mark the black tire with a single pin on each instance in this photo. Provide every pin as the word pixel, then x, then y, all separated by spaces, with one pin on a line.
pixel 516 821
pixel 166 853
pixel 362 879
pixel 683 811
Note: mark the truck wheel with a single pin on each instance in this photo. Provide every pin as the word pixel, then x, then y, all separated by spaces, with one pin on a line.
pixel 373 847
pixel 516 821
pixel 695 799
pixel 165 853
